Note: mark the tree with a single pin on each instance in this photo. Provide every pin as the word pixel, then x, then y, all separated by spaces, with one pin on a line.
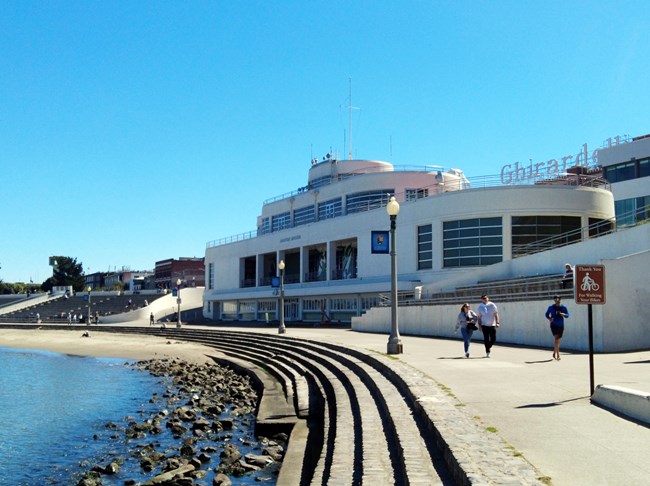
pixel 66 272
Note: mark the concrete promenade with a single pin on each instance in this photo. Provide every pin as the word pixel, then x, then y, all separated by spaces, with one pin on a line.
pixel 538 405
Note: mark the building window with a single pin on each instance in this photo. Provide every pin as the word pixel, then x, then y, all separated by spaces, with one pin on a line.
pixel 644 168
pixel 413 194
pixel 472 242
pixel 425 247
pixel 369 302
pixel 266 227
pixel 211 276
pixel 281 221
pixel 532 234
pixel 626 171
pixel 304 215
pixel 345 261
pixel 343 304
pixel 266 306
pixel 630 212
pixel 599 227
pixel 313 304
pixel 329 209
pixel 365 201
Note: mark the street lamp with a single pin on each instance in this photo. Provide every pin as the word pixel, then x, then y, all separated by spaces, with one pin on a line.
pixel 178 301
pixel 282 329
pixel 88 289
pixel 394 341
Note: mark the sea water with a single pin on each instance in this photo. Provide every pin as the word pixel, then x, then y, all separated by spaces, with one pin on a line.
pixel 54 411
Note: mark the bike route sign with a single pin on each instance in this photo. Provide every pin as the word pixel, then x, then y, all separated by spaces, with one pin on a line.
pixel 589 284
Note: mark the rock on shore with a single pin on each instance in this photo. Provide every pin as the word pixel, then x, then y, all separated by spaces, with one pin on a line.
pixel 203 405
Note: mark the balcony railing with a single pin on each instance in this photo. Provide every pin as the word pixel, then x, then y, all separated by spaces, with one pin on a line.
pixel 480 182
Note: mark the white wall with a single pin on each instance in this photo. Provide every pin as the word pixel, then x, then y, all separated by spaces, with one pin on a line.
pixel 191 298
pixel 621 324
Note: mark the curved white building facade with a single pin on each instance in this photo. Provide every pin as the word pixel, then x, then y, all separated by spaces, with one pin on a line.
pixel 447 226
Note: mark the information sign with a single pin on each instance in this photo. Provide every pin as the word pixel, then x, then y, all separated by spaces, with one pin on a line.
pixel 589 284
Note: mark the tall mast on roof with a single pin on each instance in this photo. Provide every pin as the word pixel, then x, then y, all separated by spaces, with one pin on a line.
pixel 350 108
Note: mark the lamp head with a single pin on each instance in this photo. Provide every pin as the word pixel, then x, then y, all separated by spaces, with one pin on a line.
pixel 178 282
pixel 392 208
pixel 281 265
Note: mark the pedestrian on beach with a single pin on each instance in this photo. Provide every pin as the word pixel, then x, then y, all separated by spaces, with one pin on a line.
pixel 466 322
pixel 151 319
pixel 488 322
pixel 556 313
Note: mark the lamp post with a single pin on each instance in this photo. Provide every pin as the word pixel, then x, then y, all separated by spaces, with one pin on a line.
pixel 178 301
pixel 282 329
pixel 394 341
pixel 88 319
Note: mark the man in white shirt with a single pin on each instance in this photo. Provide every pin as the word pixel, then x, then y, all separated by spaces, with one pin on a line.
pixel 488 321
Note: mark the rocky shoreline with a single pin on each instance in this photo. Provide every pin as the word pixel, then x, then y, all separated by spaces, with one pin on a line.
pixel 190 435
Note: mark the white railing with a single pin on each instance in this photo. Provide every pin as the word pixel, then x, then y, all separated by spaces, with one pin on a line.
pixel 479 182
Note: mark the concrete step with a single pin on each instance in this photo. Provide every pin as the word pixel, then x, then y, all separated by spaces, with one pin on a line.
pixel 374 425
pixel 429 438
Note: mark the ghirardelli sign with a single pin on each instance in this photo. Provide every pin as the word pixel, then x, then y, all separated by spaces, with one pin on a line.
pixel 520 172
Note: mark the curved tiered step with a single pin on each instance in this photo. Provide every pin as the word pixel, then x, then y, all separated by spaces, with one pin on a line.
pixel 356 418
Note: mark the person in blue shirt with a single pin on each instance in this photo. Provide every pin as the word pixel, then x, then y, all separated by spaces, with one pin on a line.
pixel 556 314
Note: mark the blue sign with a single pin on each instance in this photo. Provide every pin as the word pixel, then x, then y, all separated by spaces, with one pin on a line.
pixel 379 242
pixel 275 282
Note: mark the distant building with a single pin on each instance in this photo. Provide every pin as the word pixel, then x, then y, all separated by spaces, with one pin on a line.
pixel 190 271
pixel 95 280
pixel 132 280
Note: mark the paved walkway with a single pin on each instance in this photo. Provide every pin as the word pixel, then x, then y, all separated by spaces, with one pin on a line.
pixel 538 405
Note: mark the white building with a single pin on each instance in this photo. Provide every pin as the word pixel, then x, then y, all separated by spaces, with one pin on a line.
pixel 627 167
pixel 448 229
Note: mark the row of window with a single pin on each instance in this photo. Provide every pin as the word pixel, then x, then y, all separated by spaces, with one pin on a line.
pixel 476 241
pixel 333 208
pixel 472 242
pixel 625 171
pixel 350 303
pixel 479 241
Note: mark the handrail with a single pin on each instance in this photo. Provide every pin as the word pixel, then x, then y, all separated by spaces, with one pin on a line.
pixel 538 287
pixel 478 182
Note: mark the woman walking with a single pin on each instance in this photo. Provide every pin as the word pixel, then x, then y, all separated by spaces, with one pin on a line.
pixel 466 321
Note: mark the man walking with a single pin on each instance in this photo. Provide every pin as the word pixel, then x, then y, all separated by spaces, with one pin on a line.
pixel 488 321
pixel 556 314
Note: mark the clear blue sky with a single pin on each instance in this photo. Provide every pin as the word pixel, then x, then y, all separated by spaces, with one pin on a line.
pixel 132 132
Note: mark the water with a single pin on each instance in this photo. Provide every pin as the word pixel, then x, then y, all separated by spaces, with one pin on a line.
pixel 54 410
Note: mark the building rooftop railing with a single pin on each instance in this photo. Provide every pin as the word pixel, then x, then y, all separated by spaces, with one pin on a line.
pixel 479 182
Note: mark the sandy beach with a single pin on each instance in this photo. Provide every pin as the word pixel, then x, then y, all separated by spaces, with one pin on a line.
pixel 105 344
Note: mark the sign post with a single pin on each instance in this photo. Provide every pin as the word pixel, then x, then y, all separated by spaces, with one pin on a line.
pixel 590 289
